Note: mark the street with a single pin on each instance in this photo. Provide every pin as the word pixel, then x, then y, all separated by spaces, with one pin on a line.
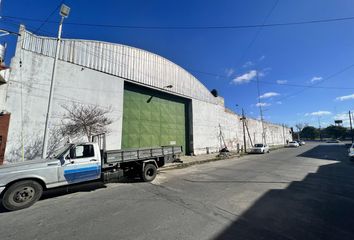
pixel 290 193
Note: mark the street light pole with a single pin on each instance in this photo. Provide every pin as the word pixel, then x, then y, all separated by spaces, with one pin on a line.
pixel 244 133
pixel 319 127
pixel 351 127
pixel 64 12
pixel 260 110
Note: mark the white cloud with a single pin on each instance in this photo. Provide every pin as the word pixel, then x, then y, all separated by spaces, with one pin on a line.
pixel 248 64
pixel 262 104
pixel 261 58
pixel 316 79
pixel 282 81
pixel 342 116
pixel 269 95
pixel 318 113
pixel 279 102
pixel 245 78
pixel 347 97
pixel 229 71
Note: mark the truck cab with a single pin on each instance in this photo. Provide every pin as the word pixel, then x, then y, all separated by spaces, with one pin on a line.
pixel 79 163
pixel 21 184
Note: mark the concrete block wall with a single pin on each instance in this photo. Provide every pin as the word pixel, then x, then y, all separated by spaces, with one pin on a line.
pixel 208 119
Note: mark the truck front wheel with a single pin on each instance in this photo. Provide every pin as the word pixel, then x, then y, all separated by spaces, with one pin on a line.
pixel 149 172
pixel 21 195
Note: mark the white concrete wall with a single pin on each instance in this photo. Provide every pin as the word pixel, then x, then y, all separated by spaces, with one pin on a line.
pixel 208 119
pixel 3 88
pixel 28 91
pixel 27 98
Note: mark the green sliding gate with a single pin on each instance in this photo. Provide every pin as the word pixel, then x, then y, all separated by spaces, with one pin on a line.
pixel 152 118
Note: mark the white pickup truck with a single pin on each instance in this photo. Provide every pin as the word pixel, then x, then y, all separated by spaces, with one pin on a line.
pixel 22 184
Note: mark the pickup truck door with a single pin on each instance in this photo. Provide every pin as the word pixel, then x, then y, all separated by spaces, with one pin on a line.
pixel 81 164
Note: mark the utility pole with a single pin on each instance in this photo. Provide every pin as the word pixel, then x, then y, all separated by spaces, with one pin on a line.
pixel 243 127
pixel 260 110
pixel 319 127
pixel 351 127
pixel 64 12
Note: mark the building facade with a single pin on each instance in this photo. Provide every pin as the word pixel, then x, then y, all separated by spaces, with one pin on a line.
pixel 151 100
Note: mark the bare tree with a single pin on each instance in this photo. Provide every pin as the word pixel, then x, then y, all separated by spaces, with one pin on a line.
pixel 87 120
pixel 299 127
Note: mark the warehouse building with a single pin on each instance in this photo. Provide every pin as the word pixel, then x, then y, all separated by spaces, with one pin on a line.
pixel 151 100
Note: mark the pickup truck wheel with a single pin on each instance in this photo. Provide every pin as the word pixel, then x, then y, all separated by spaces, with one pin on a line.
pixel 21 195
pixel 149 172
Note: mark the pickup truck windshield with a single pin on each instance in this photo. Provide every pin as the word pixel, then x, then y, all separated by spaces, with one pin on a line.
pixel 59 153
pixel 258 145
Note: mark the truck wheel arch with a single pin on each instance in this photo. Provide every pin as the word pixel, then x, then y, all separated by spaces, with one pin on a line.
pixel 151 161
pixel 21 194
pixel 149 170
pixel 40 181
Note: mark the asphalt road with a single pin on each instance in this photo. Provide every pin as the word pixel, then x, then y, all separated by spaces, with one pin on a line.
pixel 304 193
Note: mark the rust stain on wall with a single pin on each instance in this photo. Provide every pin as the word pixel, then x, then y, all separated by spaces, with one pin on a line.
pixel 4 127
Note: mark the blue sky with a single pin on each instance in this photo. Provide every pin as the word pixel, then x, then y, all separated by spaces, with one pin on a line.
pixel 316 55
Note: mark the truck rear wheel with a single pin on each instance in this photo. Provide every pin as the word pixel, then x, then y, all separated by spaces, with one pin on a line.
pixel 21 195
pixel 149 172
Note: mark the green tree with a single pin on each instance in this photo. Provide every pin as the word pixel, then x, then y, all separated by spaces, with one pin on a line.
pixel 335 131
pixel 309 132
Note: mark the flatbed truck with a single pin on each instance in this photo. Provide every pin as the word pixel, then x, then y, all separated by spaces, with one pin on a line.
pixel 22 184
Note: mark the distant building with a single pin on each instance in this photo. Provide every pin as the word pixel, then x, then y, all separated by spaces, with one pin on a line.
pixel 154 102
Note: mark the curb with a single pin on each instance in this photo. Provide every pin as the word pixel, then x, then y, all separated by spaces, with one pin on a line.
pixel 184 165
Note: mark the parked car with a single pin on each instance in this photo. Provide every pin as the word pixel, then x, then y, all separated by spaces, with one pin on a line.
pixel 293 144
pixel 260 148
pixel 351 152
pixel 300 142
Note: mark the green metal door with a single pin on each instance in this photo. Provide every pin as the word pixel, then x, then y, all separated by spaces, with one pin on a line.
pixel 152 118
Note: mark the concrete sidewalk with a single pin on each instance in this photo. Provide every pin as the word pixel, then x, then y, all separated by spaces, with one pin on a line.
pixel 205 158
pixel 199 159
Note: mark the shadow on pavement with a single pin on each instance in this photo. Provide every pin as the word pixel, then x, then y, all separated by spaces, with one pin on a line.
pixel 83 187
pixel 78 187
pixel 326 152
pixel 319 207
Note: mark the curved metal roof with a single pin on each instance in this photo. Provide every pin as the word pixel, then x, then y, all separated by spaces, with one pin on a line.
pixel 133 64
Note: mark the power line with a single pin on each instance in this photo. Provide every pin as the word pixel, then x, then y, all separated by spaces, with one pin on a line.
pixel 49 16
pixel 273 83
pixel 225 77
pixel 327 20
pixel 315 84
pixel 265 82
pixel 257 33
pixel 293 85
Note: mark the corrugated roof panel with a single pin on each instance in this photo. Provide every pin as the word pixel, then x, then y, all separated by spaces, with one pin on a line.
pixel 123 61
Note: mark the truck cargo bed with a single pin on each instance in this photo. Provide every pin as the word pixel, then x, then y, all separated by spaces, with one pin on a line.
pixel 128 155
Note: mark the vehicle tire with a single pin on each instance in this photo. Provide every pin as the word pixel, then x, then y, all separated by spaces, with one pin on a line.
pixel 21 195
pixel 149 172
